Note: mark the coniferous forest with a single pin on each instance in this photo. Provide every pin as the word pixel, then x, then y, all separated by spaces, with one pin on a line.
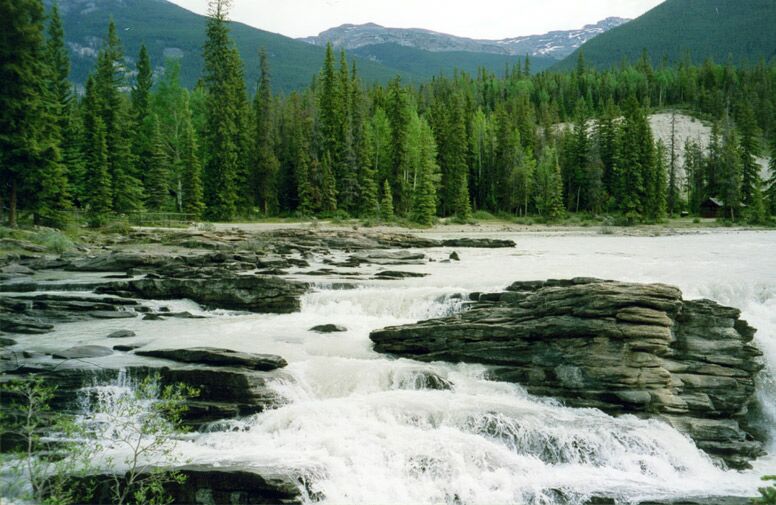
pixel 545 145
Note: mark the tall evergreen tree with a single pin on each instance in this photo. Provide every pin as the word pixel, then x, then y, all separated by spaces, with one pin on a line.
pixel 60 88
pixel 399 111
pixel 750 168
pixel 222 112
pixel 142 123
pixel 424 197
pixel 266 164
pixel 363 142
pixel 731 174
pixel 98 194
pixel 157 179
pixel 21 97
pixel 191 170
pixel 548 185
pixel 655 177
pixel 126 191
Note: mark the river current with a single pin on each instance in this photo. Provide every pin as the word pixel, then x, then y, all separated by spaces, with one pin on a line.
pixel 359 428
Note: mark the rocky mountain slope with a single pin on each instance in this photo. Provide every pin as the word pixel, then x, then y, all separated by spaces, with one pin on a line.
pixel 555 44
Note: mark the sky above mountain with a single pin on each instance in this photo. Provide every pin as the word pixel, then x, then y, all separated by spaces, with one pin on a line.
pixel 482 19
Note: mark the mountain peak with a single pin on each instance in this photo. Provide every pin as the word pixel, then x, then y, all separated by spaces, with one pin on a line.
pixel 555 44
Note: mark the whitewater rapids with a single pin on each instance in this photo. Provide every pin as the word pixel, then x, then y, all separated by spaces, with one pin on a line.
pixel 358 427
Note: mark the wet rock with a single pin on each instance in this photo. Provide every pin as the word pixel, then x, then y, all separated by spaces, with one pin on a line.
pixel 390 258
pixel 9 243
pixel 15 269
pixel 127 347
pixel 122 334
pixel 425 380
pixel 489 243
pixel 454 256
pixel 620 347
pixel 24 324
pixel 393 275
pixel 251 293
pixel 153 317
pixel 111 314
pixel 7 342
pixel 328 328
pixel 185 315
pixel 83 351
pixel 218 357
pixel 207 485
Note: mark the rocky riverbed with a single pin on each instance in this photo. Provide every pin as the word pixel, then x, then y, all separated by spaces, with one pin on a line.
pixel 272 328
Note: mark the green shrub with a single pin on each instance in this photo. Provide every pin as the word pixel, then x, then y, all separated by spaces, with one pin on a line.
pixel 56 241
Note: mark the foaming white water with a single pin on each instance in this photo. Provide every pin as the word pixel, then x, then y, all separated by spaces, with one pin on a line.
pixel 363 428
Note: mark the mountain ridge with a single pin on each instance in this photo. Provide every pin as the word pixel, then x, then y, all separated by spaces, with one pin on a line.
pixel 716 29
pixel 555 44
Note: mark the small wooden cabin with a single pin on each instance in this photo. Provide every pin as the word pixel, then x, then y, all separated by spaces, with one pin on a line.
pixel 712 207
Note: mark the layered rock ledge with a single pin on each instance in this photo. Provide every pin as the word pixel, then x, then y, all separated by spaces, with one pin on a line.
pixel 623 348
pixel 254 293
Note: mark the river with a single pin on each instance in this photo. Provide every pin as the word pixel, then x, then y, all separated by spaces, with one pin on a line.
pixel 359 429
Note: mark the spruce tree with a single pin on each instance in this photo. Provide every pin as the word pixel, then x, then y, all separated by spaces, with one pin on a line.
pixel 363 142
pixel 731 174
pixel 655 197
pixel 629 164
pixel 399 111
pixel 750 168
pixel 99 199
pixel 21 97
pixel 141 115
pixel 329 105
pixel 424 197
pixel 345 168
pixel 157 178
pixel 507 148
pixel 60 87
pixel 548 195
pixel 266 164
pixel 222 112
pixel 127 190
pixel 455 169
pixel 191 169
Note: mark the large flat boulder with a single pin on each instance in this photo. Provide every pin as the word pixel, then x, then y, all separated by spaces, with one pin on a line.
pixel 620 347
pixel 218 357
pixel 237 292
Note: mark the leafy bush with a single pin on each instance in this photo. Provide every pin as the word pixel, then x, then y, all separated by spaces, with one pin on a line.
pixel 767 494
pixel 117 227
pixel 56 241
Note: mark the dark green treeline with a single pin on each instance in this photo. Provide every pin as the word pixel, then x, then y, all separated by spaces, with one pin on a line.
pixel 544 145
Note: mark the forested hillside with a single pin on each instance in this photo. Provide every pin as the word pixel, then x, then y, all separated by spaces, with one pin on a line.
pixel 169 31
pixel 689 29
pixel 448 147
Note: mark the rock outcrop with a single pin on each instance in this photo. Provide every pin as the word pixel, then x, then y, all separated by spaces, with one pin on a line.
pixel 623 348
pixel 218 357
pixel 241 292
pixel 205 484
